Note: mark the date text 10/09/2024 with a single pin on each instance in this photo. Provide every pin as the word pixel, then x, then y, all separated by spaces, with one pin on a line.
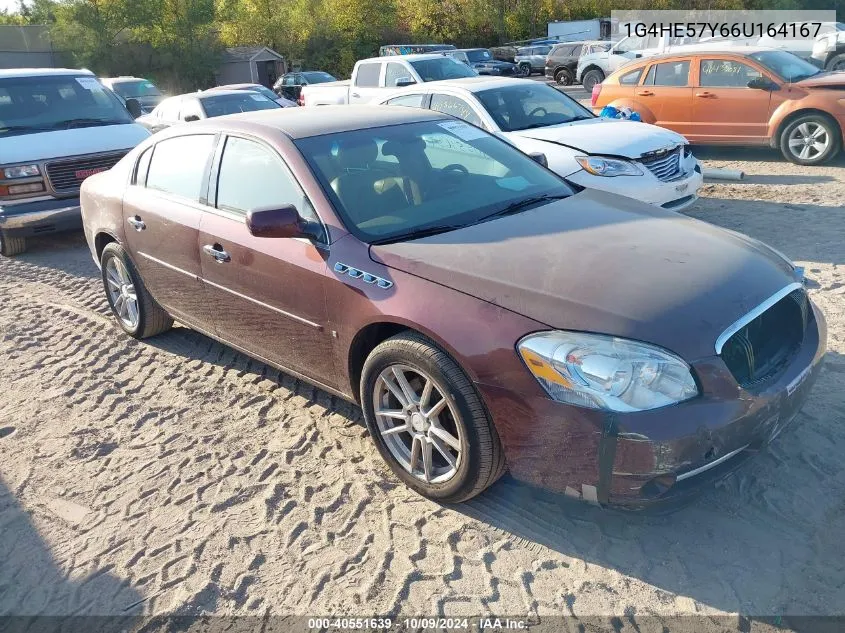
pixel 416 624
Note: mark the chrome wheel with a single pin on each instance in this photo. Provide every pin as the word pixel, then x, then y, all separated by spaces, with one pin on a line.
pixel 419 426
pixel 122 293
pixel 809 140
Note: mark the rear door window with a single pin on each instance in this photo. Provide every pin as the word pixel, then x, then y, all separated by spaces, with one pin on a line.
pixel 178 165
pixel 668 74
pixel 411 101
pixel 368 75
pixel 632 78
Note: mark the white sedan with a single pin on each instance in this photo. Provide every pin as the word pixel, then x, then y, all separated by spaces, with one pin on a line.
pixel 629 158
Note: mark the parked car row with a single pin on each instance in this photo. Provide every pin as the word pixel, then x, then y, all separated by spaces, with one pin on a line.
pixel 485 312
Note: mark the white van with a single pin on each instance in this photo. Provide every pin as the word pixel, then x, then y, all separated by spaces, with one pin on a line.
pixel 57 127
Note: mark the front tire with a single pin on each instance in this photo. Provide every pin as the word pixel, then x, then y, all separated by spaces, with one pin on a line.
pixel 591 78
pixel 525 70
pixel 136 311
pixel 564 77
pixel 810 139
pixel 11 245
pixel 428 421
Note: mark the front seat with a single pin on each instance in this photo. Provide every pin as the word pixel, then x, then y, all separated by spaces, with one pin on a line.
pixel 365 192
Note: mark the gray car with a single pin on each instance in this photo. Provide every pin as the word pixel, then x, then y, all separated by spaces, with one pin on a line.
pixel 532 59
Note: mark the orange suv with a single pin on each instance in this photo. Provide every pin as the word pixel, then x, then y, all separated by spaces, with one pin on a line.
pixel 755 96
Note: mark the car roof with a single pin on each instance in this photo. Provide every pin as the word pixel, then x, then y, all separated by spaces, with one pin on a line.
pixel 315 121
pixel 40 72
pixel 410 58
pixel 688 50
pixel 469 84
pixel 217 93
pixel 231 87
pixel 117 80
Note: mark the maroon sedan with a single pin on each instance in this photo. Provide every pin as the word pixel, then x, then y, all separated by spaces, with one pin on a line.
pixel 484 313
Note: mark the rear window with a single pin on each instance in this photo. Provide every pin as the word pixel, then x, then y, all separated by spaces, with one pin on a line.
pixel 632 78
pixel 221 105
pixel 367 75
pixel 317 77
pixel 135 89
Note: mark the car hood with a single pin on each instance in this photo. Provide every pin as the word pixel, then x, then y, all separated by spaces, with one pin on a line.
pixel 835 80
pixel 614 137
pixel 23 148
pixel 599 262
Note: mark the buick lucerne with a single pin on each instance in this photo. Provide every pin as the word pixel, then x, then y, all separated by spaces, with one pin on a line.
pixel 486 314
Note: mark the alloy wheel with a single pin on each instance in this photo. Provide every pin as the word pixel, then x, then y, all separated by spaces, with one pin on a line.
pixel 122 293
pixel 418 424
pixel 809 140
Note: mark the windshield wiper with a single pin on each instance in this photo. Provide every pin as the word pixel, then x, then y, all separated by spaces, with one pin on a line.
pixel 419 233
pixel 26 128
pixel 87 122
pixel 519 205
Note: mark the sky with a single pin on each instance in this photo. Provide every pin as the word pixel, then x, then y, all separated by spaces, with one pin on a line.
pixel 8 5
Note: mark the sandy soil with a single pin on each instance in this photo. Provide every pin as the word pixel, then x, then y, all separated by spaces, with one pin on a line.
pixel 176 476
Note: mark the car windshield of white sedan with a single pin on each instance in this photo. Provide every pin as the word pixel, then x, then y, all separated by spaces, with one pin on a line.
pixel 56 102
pixel 406 181
pixel 530 106
pixel 135 89
pixel 232 104
pixel 442 68
pixel 786 65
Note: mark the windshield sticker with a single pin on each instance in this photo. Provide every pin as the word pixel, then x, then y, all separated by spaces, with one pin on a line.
pixel 516 183
pixel 89 83
pixel 463 131
pixel 258 97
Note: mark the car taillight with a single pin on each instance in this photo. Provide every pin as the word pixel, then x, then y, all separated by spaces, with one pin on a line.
pixel 301 99
pixel 595 96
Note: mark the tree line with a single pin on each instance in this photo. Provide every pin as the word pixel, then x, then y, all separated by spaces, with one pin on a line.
pixel 178 43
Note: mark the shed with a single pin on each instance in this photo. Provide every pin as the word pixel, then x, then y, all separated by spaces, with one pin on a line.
pixel 26 46
pixel 250 64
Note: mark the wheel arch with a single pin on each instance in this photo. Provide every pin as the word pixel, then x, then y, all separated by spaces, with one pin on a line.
pixel 369 336
pixel 590 67
pixel 101 240
pixel 643 110
pixel 774 139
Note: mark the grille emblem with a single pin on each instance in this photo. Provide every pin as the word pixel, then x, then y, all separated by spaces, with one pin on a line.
pixel 367 278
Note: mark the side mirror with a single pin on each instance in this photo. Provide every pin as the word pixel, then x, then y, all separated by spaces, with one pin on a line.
pixel 134 107
pixel 761 83
pixel 282 222
pixel 616 51
pixel 192 117
pixel 540 158
pixel 403 82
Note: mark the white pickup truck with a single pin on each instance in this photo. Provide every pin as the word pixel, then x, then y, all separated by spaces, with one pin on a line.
pixel 374 78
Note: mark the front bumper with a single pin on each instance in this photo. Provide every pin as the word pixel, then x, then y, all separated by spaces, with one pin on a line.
pixel 41 216
pixel 658 457
pixel 673 195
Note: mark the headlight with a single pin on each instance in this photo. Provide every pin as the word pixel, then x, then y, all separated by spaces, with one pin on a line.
pixel 603 166
pixel 21 171
pixel 822 45
pixel 604 372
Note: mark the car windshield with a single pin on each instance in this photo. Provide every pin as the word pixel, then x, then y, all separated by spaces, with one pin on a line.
pixel 531 105
pixel 403 181
pixel 318 77
pixel 785 65
pixel 220 105
pixel 479 56
pixel 442 68
pixel 263 91
pixel 50 102
pixel 135 89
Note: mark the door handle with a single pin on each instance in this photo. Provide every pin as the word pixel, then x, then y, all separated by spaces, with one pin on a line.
pixel 356 95
pixel 705 95
pixel 645 93
pixel 217 252
pixel 137 223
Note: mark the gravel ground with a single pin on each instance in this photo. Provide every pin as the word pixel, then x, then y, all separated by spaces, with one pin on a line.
pixel 177 476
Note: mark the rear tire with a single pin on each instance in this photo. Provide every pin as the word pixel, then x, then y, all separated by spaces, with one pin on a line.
pixel 825 139
pixel 477 456
pixel 591 78
pixel 11 245
pixel 836 62
pixel 525 70
pixel 564 77
pixel 147 318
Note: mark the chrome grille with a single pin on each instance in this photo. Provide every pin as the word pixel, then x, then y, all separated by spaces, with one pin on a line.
pixel 63 174
pixel 764 346
pixel 666 167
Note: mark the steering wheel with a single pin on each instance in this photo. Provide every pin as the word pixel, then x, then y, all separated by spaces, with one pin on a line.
pixel 456 167
pixel 537 109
